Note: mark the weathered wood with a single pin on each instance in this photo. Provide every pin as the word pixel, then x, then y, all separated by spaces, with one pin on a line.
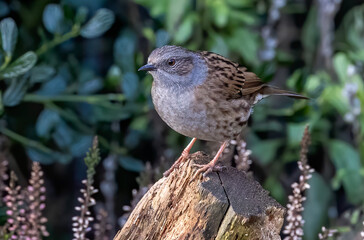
pixel 230 205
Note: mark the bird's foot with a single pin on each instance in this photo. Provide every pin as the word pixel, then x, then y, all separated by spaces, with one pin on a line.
pixel 206 169
pixel 176 164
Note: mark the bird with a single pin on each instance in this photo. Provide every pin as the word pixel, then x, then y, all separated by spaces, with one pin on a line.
pixel 205 96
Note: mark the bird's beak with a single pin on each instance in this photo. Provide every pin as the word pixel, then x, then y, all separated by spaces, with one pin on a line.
pixel 147 67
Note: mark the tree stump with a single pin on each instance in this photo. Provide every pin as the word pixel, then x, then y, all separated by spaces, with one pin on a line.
pixel 229 205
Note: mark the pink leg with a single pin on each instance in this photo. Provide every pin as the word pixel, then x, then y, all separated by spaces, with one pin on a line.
pixel 182 158
pixel 207 168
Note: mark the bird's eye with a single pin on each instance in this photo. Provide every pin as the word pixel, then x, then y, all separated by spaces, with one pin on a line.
pixel 171 62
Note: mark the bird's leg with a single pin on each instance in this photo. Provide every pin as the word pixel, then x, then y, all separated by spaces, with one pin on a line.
pixel 181 159
pixel 211 166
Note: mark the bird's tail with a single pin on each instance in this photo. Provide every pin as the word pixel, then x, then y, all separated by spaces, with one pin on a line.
pixel 267 90
pixel 254 86
pixel 271 90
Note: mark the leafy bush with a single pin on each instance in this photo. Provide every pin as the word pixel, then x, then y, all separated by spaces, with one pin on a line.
pixel 65 77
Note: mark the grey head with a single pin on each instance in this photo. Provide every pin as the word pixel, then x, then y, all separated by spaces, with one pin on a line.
pixel 176 67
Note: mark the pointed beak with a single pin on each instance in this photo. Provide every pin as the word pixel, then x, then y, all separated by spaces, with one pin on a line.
pixel 147 67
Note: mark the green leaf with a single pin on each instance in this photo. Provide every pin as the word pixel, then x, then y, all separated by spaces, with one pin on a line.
pixel 148 33
pixel 124 50
pixel 341 64
pixel 244 17
pixel 266 150
pixel 56 85
pixel 81 15
pixel 88 82
pixel 332 96
pixel 110 112
pixel 175 12
pixel 15 92
pixel 220 13
pixel 240 4
pixel 113 77
pixel 91 86
pixel 131 164
pixel 162 38
pixel 293 80
pixel 245 42
pixel 219 46
pixel 313 85
pixel 53 18
pixel 20 66
pixel 81 143
pixel 130 85
pixel 315 213
pixel 41 73
pixel 295 132
pixel 9 35
pixel 346 160
pixel 139 123
pixel 156 8
pixel 98 24
pixel 63 135
pixel 184 30
pixel 275 188
pixel 47 158
pixel 46 122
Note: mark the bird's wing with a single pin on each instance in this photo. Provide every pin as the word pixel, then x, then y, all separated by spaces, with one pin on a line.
pixel 225 78
pixel 233 81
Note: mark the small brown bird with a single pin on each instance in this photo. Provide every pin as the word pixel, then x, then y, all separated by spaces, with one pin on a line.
pixel 204 96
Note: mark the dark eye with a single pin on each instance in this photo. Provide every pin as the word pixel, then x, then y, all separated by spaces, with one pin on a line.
pixel 171 62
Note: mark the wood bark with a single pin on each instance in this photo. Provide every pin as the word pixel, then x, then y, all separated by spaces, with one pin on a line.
pixel 229 205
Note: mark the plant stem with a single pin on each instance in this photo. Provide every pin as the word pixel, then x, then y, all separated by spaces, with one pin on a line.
pixel 74 98
pixel 25 141
pixel 6 62
pixel 75 31
pixel 70 116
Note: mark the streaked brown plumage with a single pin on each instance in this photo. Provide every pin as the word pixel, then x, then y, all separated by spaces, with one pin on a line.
pixel 204 95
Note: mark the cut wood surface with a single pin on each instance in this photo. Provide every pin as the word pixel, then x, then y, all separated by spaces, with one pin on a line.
pixel 229 205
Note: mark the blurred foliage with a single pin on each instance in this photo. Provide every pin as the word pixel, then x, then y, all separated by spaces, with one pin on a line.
pixel 65 77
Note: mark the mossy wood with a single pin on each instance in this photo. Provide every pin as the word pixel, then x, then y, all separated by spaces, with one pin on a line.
pixel 230 205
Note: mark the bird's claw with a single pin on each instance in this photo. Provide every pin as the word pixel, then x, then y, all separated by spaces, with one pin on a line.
pixel 181 159
pixel 206 169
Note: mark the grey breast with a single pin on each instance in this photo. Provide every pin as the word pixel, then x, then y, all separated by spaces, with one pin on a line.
pixel 179 111
pixel 183 114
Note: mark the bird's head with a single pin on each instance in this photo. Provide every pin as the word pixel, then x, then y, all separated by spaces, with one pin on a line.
pixel 174 66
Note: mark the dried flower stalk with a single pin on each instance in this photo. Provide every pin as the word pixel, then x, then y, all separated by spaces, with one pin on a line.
pixel 326 233
pixel 81 223
pixel 294 226
pixel 102 226
pixel 14 201
pixel 25 219
pixel 137 195
pixel 36 198
pixel 241 159
pixel 108 188
pixel 3 174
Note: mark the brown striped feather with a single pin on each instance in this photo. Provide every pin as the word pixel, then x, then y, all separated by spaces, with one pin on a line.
pixel 233 81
